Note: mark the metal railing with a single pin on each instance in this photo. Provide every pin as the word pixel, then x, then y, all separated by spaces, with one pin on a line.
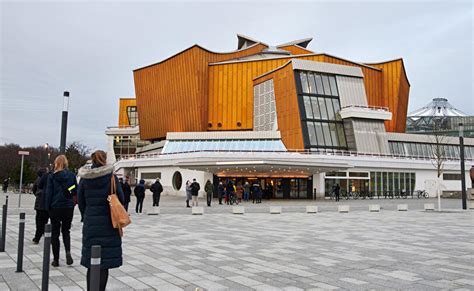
pixel 325 152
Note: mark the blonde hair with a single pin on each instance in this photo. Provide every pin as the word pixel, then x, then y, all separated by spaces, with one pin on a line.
pixel 60 163
pixel 99 158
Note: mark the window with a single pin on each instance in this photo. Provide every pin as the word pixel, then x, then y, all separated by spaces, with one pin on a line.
pixel 132 115
pixel 452 177
pixel 150 176
pixel 177 180
pixel 320 108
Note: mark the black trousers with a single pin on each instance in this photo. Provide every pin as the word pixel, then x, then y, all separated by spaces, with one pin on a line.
pixel 125 205
pixel 139 205
pixel 42 217
pixel 61 220
pixel 337 196
pixel 219 195
pixel 104 277
pixel 209 199
pixel 156 199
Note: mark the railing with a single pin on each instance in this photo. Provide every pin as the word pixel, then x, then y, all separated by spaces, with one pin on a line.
pixel 380 108
pixel 326 152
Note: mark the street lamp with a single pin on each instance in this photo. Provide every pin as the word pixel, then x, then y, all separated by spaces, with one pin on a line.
pixel 62 147
pixel 463 179
pixel 48 154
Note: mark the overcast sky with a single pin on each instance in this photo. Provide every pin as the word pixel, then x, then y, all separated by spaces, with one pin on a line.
pixel 90 49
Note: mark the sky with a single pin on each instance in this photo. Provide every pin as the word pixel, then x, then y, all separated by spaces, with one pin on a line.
pixel 92 48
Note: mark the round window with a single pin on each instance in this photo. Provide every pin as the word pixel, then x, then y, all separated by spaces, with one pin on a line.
pixel 177 180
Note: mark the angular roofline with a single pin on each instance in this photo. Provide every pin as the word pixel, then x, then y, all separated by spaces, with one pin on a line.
pixel 295 56
pixel 394 60
pixel 244 37
pixel 299 42
pixel 272 71
pixel 203 48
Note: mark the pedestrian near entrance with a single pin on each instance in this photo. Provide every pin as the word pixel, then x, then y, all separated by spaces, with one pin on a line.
pixel 337 191
pixel 195 187
pixel 42 217
pixel 246 191
pixel 139 192
pixel 209 188
pixel 6 181
pixel 127 192
pixel 156 188
pixel 59 201
pixel 239 192
pixel 220 192
pixel 97 229
pixel 189 194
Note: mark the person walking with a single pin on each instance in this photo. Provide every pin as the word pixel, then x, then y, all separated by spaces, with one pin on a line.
pixel 97 229
pixel 240 192
pixel 42 217
pixel 246 191
pixel 6 181
pixel 337 191
pixel 220 192
pixel 127 192
pixel 195 187
pixel 209 188
pixel 156 188
pixel 189 194
pixel 60 190
pixel 229 189
pixel 139 192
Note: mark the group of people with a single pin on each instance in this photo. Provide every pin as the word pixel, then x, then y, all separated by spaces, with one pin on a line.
pixel 57 193
pixel 231 193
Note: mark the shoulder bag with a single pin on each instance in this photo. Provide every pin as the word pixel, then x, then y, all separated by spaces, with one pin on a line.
pixel 118 214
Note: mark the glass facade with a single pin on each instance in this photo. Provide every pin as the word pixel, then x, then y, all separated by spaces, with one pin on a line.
pixel 319 103
pixel 392 182
pixel 426 150
pixel 179 146
pixel 132 115
pixel 127 144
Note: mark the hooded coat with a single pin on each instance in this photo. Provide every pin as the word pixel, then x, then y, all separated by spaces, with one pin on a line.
pixel 56 186
pixel 94 189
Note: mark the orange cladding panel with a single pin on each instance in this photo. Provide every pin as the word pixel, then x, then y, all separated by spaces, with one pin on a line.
pixel 123 116
pixel 172 95
pixel 286 100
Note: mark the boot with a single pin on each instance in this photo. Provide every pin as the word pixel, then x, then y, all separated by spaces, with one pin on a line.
pixel 187 204
pixel 69 260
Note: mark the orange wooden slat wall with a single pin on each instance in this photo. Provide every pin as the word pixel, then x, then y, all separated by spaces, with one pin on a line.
pixel 123 117
pixel 286 101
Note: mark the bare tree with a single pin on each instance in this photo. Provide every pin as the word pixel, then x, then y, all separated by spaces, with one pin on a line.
pixel 438 154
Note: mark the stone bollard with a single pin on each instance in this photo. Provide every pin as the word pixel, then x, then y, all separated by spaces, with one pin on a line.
pixel 21 241
pixel 311 209
pixel 275 209
pixel 429 207
pixel 402 207
pixel 238 210
pixel 197 210
pixel 3 240
pixel 471 204
pixel 374 208
pixel 46 254
pixel 95 268
pixel 343 208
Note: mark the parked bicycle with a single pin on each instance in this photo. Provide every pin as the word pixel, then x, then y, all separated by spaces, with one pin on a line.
pixel 421 194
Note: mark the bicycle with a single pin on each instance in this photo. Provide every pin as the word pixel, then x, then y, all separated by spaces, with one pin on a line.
pixel 422 193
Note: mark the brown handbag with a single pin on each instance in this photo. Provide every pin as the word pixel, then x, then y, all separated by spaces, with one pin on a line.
pixel 118 214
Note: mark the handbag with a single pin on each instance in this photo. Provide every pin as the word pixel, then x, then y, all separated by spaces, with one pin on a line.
pixel 118 214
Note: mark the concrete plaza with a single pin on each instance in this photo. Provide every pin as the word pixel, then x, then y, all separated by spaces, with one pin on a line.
pixel 360 250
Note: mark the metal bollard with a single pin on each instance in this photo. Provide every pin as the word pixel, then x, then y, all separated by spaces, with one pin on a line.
pixel 95 268
pixel 21 240
pixel 46 254
pixel 4 228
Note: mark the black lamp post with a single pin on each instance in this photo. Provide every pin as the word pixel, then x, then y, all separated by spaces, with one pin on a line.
pixel 463 178
pixel 46 148
pixel 62 147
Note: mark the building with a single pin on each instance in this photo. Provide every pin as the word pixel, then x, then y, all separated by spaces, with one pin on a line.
pixel 440 117
pixel 293 121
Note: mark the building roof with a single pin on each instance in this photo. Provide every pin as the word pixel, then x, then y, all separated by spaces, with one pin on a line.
pixel 438 107
pixel 300 42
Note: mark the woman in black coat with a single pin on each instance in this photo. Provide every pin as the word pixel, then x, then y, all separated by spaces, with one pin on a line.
pixel 94 189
